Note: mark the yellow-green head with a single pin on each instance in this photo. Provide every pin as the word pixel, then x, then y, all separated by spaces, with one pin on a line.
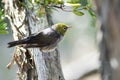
pixel 61 28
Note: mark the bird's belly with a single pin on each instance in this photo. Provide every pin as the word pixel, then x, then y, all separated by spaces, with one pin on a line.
pixel 48 48
pixel 51 47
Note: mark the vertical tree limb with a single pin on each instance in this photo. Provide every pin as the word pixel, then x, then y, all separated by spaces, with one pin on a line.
pixel 32 63
pixel 109 15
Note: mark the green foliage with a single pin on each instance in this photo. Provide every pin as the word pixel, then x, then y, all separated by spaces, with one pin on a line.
pixel 79 13
pixel 47 2
pixel 83 2
pixel 3 24
pixel 90 7
pixel 77 6
pixel 92 13
pixel 84 5
pixel 73 1
pixel 39 5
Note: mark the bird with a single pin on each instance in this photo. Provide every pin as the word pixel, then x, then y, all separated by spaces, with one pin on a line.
pixel 47 39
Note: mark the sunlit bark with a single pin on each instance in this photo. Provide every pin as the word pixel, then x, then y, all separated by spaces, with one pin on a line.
pixel 32 63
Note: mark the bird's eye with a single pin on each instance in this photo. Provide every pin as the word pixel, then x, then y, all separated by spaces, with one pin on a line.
pixel 65 28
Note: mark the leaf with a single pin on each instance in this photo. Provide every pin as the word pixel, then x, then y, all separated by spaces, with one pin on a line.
pixel 3 24
pixel 73 4
pixel 3 28
pixel 23 4
pixel 92 13
pixel 73 1
pixel 30 1
pixel 3 32
pixel 60 1
pixel 83 2
pixel 78 13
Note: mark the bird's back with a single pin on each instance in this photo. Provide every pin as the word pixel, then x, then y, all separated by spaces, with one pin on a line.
pixel 46 38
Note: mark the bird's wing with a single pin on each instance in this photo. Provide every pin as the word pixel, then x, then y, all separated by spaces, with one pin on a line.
pixel 42 39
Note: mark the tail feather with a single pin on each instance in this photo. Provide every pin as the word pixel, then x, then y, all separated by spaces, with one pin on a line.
pixel 14 43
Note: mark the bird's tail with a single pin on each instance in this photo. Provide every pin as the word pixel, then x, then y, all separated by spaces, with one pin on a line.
pixel 14 43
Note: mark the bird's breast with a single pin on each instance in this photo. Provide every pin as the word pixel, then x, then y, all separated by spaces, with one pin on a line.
pixel 51 47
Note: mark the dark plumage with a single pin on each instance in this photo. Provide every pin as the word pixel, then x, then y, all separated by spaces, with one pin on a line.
pixel 47 39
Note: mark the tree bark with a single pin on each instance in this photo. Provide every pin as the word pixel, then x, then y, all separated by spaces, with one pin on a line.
pixel 109 15
pixel 32 63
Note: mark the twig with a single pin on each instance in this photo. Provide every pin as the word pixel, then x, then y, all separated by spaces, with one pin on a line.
pixel 18 30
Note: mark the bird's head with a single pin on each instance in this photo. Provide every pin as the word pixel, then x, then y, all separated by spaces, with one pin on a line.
pixel 61 28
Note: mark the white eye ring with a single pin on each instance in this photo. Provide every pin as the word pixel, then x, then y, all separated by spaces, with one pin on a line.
pixel 65 28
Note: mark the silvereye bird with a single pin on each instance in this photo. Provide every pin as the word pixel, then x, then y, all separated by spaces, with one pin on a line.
pixel 46 40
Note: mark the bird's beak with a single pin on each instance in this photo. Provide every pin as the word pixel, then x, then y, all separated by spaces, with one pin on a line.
pixel 69 26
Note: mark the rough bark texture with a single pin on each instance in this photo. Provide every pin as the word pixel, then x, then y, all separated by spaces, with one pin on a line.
pixel 109 15
pixel 32 63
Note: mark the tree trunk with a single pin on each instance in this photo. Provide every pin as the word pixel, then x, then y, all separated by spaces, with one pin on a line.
pixel 109 15
pixel 32 63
